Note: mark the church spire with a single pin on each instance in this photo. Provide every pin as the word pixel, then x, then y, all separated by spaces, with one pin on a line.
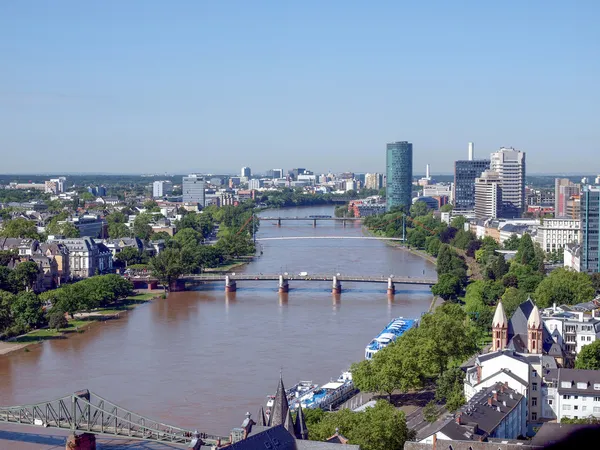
pixel 300 430
pixel 262 422
pixel 534 331
pixel 280 406
pixel 499 329
pixel 288 424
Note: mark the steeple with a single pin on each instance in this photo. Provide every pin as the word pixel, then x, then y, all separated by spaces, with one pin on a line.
pixel 260 417
pixel 534 331
pixel 300 430
pixel 288 424
pixel 499 329
pixel 280 406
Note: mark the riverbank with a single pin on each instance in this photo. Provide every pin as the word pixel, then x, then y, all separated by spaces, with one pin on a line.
pixel 78 324
pixel 397 244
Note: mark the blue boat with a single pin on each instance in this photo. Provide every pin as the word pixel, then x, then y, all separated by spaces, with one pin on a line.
pixel 390 333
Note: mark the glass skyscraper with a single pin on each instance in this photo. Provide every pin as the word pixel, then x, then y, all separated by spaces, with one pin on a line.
pixel 399 175
pixel 465 174
pixel 590 227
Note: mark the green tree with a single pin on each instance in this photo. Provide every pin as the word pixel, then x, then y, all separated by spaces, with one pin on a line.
pixel 512 243
pixel 167 266
pixel 430 412
pixel 141 226
pixel 433 245
pixel 6 300
pixel 511 299
pixel 6 256
pixel 448 287
pixel 527 278
pixel 27 311
pixel 416 238
pixel 20 228
pixel 526 252
pixel 589 357
pixel 419 209
pixel 458 222
pixel 563 286
pixel 188 237
pixel 26 274
pixel 56 319
pixel 595 277
pixel 381 427
pixel 449 383
pixel 446 208
pixel 462 239
pixel 131 255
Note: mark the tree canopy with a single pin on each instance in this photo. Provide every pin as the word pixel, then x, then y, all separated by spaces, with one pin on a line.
pixel 589 357
pixel 564 286
pixel 20 228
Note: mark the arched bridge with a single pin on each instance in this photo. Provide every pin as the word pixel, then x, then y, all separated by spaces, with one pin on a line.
pixel 86 412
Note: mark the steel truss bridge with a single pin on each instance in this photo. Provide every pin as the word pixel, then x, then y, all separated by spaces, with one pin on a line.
pixel 309 277
pixel 86 412
pixel 288 238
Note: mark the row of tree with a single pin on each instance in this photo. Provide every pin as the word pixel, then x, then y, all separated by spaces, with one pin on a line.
pixel 441 342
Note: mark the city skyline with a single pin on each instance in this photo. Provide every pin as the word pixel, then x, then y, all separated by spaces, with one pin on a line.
pixel 199 85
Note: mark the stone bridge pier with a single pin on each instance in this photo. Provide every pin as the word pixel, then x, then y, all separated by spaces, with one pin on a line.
pixel 336 286
pixel 284 286
pixel 230 285
pixel 391 288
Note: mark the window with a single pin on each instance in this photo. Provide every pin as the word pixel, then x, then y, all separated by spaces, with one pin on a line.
pixel 565 384
pixel 597 386
pixel 576 397
pixel 566 397
pixel 550 401
pixel 581 385
pixel 575 407
pixel 583 408
pixel 533 416
pixel 589 338
pixel 534 387
pixel 597 399
pixel 533 401
pixel 566 408
pixel 596 409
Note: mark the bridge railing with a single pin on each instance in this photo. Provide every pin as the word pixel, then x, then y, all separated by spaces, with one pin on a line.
pixel 85 411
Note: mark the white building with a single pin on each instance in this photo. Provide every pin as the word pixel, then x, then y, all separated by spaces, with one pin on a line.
pixel 572 257
pixel 554 234
pixel 246 172
pixel 86 257
pixel 193 189
pixel 510 166
pixel 255 184
pixel 488 195
pixel 373 181
pixel 439 190
pixel 161 188
pixel 574 393
pixel 572 329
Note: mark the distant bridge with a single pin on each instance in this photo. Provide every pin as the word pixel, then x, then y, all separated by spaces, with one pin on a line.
pixel 314 219
pixel 285 238
pixel 86 412
pixel 283 280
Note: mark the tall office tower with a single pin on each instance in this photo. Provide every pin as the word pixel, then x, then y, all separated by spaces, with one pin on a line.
pixel 246 172
pixel 161 188
pixel 399 158
pixel 277 173
pixel 193 189
pixel 510 165
pixel 488 196
pixel 465 173
pixel 373 180
pixel 590 227
pixel 564 189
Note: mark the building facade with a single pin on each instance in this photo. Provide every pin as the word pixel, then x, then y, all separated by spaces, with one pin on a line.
pixel 193 189
pixel 86 257
pixel 575 394
pixel 488 196
pixel 590 227
pixel 373 181
pixel 162 188
pixel 510 166
pixel 399 158
pixel 554 234
pixel 564 190
pixel 246 172
pixel 465 173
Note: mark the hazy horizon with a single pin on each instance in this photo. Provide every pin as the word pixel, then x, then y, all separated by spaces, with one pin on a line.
pixel 131 86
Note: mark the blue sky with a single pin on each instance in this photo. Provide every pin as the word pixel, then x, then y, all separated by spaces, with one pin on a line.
pixel 154 86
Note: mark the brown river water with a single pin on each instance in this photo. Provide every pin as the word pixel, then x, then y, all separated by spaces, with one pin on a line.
pixel 200 359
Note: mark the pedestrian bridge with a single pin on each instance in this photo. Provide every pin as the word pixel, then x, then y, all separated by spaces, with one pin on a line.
pixel 88 413
pixel 287 238
pixel 313 219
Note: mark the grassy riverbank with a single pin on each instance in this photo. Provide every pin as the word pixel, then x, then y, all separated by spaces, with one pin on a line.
pixel 78 324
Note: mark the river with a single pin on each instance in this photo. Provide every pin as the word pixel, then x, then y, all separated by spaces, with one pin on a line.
pixel 200 359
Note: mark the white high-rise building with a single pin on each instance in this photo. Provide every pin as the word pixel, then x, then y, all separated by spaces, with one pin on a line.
pixel 193 189
pixel 161 188
pixel 373 181
pixel 509 164
pixel 488 195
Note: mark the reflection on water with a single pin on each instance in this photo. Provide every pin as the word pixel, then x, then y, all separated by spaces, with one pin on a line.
pixel 202 358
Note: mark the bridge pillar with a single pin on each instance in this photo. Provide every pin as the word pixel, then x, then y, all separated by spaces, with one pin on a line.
pixel 314 223
pixel 230 285
pixel 278 222
pixel 283 284
pixel 344 223
pixel 85 441
pixel 391 289
pixel 336 286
